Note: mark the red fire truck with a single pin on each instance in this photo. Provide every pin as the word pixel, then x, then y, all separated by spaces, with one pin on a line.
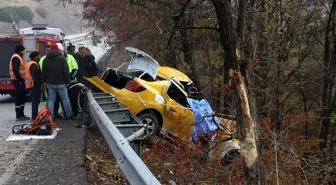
pixel 31 42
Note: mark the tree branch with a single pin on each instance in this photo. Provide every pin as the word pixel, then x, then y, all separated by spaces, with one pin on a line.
pixel 200 28
pixel 177 20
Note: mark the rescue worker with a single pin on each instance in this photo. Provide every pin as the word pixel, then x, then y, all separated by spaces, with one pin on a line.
pixel 17 76
pixel 44 87
pixel 73 67
pixel 56 74
pixel 71 49
pixel 42 58
pixel 34 81
pixel 76 98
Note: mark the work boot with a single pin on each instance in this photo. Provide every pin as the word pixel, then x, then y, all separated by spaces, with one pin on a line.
pixel 57 116
pixel 22 118
pixel 25 117
pixel 74 117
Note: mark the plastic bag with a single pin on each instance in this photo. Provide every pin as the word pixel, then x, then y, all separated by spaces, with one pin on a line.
pixel 202 126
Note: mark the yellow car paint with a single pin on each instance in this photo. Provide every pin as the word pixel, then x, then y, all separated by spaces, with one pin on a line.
pixel 100 84
pixel 178 120
pixel 166 73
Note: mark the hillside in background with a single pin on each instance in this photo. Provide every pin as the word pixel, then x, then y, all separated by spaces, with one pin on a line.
pixel 68 17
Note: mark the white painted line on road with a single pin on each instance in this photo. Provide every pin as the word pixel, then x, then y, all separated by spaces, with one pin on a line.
pixel 18 160
pixel 20 137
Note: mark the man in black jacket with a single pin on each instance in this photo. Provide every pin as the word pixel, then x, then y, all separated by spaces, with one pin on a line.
pixel 91 65
pixel 34 81
pixel 17 75
pixel 87 66
pixel 56 75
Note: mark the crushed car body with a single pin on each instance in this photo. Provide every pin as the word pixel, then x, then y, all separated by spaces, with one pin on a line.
pixel 159 97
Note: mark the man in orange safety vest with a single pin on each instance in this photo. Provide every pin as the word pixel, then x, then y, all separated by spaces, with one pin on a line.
pixel 34 81
pixel 17 76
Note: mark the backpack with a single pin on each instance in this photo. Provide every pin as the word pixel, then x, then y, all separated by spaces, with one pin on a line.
pixel 42 125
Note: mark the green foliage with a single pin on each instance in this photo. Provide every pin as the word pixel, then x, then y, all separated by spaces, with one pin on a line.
pixel 37 0
pixel 18 12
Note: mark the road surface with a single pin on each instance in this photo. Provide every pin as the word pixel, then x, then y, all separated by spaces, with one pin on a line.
pixel 57 161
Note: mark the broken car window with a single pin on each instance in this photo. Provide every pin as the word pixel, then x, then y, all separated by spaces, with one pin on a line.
pixel 178 96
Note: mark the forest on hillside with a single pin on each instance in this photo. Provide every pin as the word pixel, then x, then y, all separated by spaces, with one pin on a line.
pixel 270 63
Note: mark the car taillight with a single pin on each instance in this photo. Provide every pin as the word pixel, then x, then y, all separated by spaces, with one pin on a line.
pixel 134 86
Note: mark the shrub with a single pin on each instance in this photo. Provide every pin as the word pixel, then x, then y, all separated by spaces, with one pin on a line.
pixel 42 12
pixel 19 13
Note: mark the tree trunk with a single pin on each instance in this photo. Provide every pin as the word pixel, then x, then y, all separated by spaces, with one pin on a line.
pixel 188 52
pixel 234 78
pixel 329 64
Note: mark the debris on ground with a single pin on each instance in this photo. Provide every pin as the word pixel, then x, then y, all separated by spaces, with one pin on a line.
pixel 100 162
pixel 171 163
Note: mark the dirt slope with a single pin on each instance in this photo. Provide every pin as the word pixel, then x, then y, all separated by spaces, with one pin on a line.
pixel 66 17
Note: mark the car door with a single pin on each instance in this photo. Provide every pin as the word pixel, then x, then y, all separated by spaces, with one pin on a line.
pixel 178 118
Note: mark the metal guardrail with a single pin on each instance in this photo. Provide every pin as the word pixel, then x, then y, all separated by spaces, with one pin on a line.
pixel 79 38
pixel 116 123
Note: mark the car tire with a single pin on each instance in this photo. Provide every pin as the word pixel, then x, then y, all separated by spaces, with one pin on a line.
pixel 152 122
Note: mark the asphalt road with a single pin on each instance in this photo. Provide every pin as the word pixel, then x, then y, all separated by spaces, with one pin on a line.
pixel 57 161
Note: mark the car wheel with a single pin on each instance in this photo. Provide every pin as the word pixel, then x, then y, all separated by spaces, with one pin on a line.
pixel 152 122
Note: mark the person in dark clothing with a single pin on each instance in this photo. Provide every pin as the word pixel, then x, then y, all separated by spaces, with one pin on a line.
pixel 91 67
pixel 80 54
pixel 80 61
pixel 17 75
pixel 56 75
pixel 73 67
pixel 76 96
pixel 87 66
pixel 34 81
pixel 71 49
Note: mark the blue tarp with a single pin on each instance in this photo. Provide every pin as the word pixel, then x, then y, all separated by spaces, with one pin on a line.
pixel 202 108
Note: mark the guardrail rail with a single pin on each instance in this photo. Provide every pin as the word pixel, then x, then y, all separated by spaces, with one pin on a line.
pixel 78 37
pixel 123 132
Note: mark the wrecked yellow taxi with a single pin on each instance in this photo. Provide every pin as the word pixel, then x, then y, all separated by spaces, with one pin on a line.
pixel 159 97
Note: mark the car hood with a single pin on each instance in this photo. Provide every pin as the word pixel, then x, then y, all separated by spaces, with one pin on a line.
pixel 141 61
pixel 168 72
